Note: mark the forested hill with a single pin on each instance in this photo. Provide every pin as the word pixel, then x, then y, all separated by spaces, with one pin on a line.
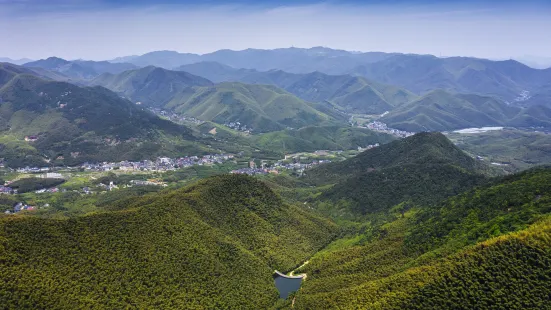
pixel 488 248
pixel 151 85
pixel 213 245
pixel 424 167
pixel 92 123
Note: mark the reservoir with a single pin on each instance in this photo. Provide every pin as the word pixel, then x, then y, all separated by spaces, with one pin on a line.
pixel 287 284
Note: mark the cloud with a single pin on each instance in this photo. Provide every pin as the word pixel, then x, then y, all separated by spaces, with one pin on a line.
pixel 99 30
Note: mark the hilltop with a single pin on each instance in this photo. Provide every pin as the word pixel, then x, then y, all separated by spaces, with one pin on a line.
pixel 213 244
pixel 151 85
pixel 425 167
pixel 261 108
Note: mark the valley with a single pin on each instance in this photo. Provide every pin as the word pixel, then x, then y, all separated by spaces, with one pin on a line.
pixel 292 178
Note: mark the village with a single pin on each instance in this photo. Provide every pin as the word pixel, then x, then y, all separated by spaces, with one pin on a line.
pixel 382 127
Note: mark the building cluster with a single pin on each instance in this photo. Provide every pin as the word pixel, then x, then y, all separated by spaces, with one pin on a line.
pixel 177 118
pixel 20 206
pixel 238 126
pixel 6 189
pixel 160 164
pixel 254 171
pixel 47 190
pixel 280 165
pixel 369 147
pixel 382 127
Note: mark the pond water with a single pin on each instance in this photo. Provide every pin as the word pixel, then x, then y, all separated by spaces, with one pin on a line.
pixel 286 286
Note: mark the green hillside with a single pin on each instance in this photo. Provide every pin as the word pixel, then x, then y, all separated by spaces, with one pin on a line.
pixel 261 108
pixel 514 149
pixel 485 249
pixel 214 244
pixel 309 139
pixel 350 93
pixel 424 168
pixel 151 85
pixel 441 111
pixel 78 124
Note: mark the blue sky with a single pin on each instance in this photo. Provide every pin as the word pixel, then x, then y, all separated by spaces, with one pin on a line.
pixel 104 29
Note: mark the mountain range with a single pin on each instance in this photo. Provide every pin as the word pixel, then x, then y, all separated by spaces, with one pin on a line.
pixel 333 95
pixel 79 69
pixel 15 61
pixel 77 124
pixel 259 107
pixel 349 93
pixel 417 73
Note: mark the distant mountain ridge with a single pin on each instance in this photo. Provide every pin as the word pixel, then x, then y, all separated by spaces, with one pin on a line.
pixel 350 93
pixel 15 61
pixel 79 69
pixel 417 73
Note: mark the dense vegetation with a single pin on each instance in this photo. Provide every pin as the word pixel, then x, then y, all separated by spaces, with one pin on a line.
pixel 454 255
pixel 258 107
pixel 32 184
pixel 211 245
pixel 425 168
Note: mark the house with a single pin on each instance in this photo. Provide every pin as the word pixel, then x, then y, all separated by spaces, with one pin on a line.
pixel 31 138
pixel 54 175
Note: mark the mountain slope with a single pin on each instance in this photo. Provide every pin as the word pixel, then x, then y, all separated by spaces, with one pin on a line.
pixel 442 256
pixel 92 122
pixel 425 167
pixel 423 73
pixel 211 245
pixel 309 139
pixel 440 110
pixel 261 108
pixel 151 85
pixel 351 94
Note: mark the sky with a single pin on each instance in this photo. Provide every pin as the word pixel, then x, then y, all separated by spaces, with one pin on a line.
pixel 105 29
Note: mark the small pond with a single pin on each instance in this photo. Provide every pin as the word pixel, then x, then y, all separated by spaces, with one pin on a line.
pixel 287 285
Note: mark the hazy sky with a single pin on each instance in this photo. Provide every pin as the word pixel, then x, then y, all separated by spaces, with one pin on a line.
pixel 104 29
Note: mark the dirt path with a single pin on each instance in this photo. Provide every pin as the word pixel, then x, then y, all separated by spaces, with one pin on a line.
pixel 292 273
